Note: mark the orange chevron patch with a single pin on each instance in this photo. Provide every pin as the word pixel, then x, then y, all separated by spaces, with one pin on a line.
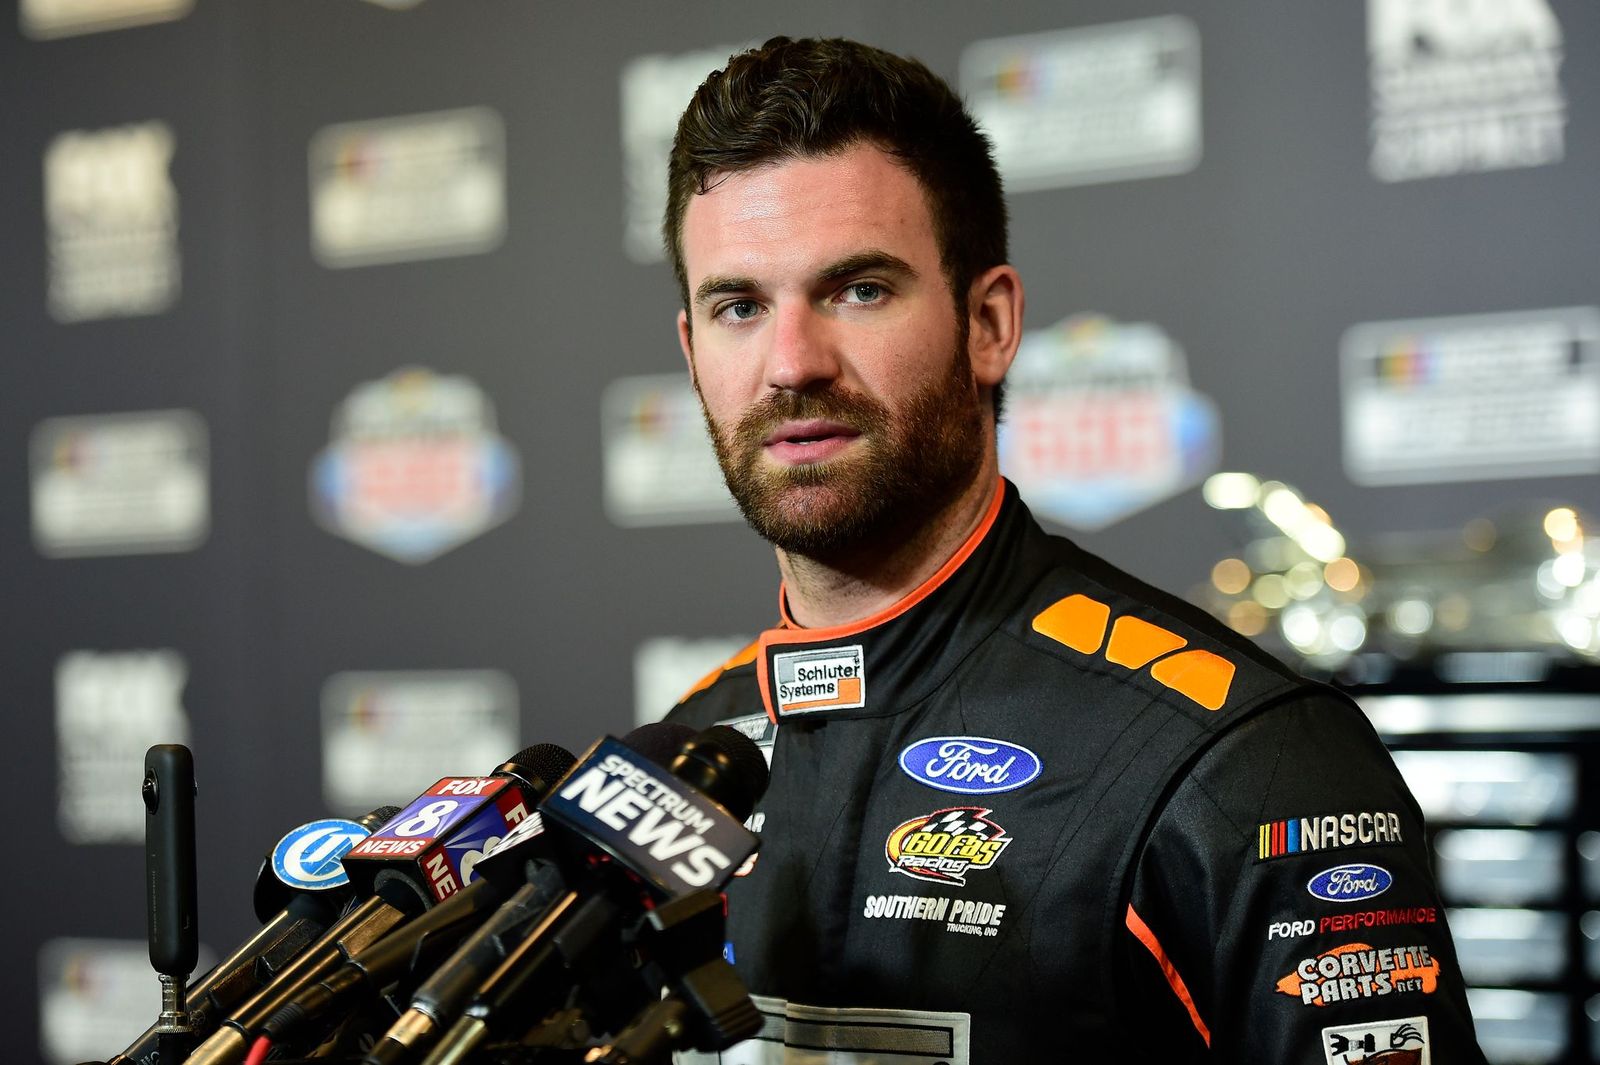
pixel 1136 643
pixel 1080 623
pixel 1077 621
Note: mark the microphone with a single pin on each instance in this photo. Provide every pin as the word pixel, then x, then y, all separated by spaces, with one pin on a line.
pixel 522 854
pixel 426 849
pixel 421 940
pixel 172 918
pixel 665 836
pixel 302 880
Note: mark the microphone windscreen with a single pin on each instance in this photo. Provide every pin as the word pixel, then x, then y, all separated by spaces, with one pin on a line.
pixel 659 741
pixel 727 765
pixel 540 765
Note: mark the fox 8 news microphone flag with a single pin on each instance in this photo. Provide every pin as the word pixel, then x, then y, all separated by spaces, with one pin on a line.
pixel 553 909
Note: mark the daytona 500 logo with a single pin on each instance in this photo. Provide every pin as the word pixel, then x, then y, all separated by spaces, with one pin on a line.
pixel 945 845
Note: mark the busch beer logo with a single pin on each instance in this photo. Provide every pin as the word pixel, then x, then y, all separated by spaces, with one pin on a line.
pixel 1398 1042
pixel 1356 971
pixel 970 764
pixel 945 845
pixel 830 678
pixel 1350 883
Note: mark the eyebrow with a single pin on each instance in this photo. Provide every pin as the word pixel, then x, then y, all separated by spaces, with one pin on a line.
pixel 860 262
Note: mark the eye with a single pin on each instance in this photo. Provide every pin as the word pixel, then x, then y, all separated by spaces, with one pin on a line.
pixel 739 310
pixel 863 292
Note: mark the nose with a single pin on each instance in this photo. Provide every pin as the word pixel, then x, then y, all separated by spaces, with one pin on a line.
pixel 803 353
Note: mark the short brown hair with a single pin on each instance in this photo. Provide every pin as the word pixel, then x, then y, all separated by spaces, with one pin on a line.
pixel 791 99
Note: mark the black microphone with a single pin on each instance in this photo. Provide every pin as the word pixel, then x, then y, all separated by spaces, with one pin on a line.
pixel 660 837
pixel 525 855
pixel 422 854
pixel 302 880
pixel 172 917
pixel 423 940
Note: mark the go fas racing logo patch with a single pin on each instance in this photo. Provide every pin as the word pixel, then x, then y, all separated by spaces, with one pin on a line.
pixel 946 845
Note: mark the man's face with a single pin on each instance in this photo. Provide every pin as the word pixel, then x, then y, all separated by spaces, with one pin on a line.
pixel 827 351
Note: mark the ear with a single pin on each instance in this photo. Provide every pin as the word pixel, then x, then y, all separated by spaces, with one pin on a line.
pixel 994 308
pixel 685 340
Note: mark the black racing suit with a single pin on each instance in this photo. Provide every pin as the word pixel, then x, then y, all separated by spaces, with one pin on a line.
pixel 1039 808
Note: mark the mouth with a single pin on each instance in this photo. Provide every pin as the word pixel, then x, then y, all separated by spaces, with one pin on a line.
pixel 808 441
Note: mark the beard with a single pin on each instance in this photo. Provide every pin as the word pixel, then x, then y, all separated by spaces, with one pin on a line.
pixel 906 466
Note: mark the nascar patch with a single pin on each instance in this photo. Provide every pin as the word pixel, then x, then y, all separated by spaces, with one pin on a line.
pixel 946 845
pixel 1304 835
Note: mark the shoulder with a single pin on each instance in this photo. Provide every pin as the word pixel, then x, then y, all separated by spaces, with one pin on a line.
pixel 727 692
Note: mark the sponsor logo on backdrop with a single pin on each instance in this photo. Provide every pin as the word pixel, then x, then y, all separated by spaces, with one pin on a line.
pixel 308 857
pixel 96 994
pixel 1100 103
pixel 655 90
pixel 973 765
pixel 111 707
pixel 664 667
pixel 1350 883
pixel 111 222
pixel 1101 421
pixel 114 484
pixel 828 678
pixel 1357 971
pixel 1473 397
pixel 1303 835
pixel 1397 1042
pixel 395 733
pixel 946 845
pixel 957 915
pixel 415 467
pixel 659 467
pixel 411 187
pixel 41 19
pixel 1463 86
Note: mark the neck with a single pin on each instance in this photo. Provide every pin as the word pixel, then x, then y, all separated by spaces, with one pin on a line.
pixel 867 580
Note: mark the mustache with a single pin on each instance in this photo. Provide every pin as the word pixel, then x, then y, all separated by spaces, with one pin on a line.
pixel 835 403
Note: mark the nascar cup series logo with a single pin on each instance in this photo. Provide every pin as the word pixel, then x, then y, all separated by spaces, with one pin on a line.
pixel 946 845
pixel 415 467
pixel 830 678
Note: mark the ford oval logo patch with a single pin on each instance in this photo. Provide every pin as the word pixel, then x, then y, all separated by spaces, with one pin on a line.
pixel 1350 883
pixel 970 765
pixel 307 857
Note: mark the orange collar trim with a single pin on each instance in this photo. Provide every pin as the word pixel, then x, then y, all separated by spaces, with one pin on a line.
pixel 791 633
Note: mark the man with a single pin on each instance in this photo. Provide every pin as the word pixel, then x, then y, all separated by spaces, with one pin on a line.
pixel 1020 803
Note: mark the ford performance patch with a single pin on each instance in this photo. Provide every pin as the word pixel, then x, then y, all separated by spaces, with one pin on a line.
pixel 971 765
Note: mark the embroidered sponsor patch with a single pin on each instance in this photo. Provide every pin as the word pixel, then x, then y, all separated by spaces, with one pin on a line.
pixel 957 915
pixel 1290 929
pixel 1403 1041
pixel 1347 922
pixel 972 765
pixel 1357 971
pixel 827 678
pixel 1300 835
pixel 946 845
pixel 1350 883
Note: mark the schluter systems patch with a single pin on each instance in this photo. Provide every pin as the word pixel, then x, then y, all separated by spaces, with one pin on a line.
pixel 828 678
